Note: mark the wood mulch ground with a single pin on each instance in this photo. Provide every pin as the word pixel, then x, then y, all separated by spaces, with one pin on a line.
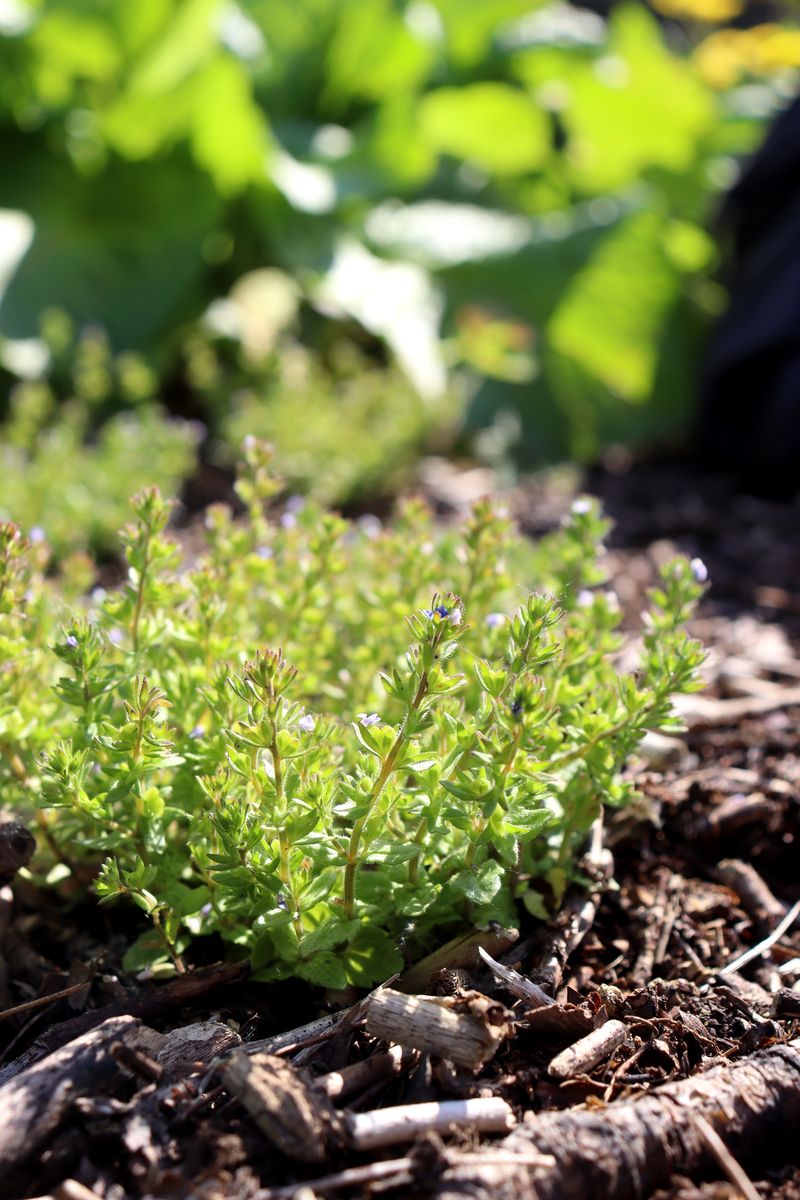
pixel 634 1048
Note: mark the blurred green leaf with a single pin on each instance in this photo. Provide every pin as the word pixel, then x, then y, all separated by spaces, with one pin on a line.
pixel 609 318
pixel 491 124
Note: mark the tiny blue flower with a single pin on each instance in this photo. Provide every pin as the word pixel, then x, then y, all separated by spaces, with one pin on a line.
pixel 295 503
pixel 584 598
pixel 72 641
pixel 197 732
pixel 496 619
pixel 306 723
pixel 264 551
pixel 368 719
pixel 288 520
pixel 115 636
pixel 37 534
pixel 206 909
pixel 699 570
pixel 440 611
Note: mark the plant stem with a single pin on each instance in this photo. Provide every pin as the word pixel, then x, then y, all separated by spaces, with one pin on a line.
pixel 285 869
pixel 387 767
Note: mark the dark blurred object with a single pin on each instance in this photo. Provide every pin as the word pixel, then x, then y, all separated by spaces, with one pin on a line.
pixel 750 409
pixel 17 845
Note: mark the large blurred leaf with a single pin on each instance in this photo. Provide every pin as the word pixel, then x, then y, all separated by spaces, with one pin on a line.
pixel 373 54
pixel 491 124
pixel 634 107
pixel 123 247
pixel 609 319
pixel 470 25
pixel 229 133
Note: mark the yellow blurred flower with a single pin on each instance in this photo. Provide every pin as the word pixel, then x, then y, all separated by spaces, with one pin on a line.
pixel 714 11
pixel 725 57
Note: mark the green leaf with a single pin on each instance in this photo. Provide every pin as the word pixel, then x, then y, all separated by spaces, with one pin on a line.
pixel 493 125
pixel 324 969
pixel 480 884
pixel 371 957
pixel 610 317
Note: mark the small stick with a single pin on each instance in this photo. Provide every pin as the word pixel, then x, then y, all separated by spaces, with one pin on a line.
pixel 339 1085
pixel 351 1177
pixel 41 1000
pixel 588 1051
pixel 764 945
pixel 517 984
pixel 402 1123
pixel 725 1159
pixel 757 899
pixel 704 712
pixel 293 1039
pixel 387 1168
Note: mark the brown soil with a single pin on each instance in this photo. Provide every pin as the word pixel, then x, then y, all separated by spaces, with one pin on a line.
pixel 676 917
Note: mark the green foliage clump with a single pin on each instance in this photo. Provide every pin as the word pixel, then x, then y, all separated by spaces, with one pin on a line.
pixel 319 737
pixel 539 164
pixel 79 441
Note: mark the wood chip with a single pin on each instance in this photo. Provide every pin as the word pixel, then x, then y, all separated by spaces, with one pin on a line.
pixel 295 1116
pixel 34 1103
pixel 467 1029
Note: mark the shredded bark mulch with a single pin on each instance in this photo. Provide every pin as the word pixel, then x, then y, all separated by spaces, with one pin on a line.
pixel 645 1044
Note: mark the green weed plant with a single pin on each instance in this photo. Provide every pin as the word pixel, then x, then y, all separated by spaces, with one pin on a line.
pixel 321 740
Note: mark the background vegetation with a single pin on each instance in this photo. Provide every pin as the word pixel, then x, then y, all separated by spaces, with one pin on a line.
pixel 373 213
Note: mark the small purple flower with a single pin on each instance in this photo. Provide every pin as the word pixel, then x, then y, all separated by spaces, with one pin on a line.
pixel 699 570
pixel 295 503
pixel 496 619
pixel 584 598
pixel 581 506
pixel 288 520
pixel 206 909
pixel 115 636
pixel 306 723
pixel 264 551
pixel 198 732
pixel 367 719
pixel 72 641
pixel 37 535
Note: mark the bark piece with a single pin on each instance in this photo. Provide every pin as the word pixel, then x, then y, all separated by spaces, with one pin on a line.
pixel 33 1104
pixel 390 1126
pixel 786 1003
pixel 628 1149
pixel 184 990
pixel 295 1116
pixel 467 1029
pixel 201 1042
pixel 589 1051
